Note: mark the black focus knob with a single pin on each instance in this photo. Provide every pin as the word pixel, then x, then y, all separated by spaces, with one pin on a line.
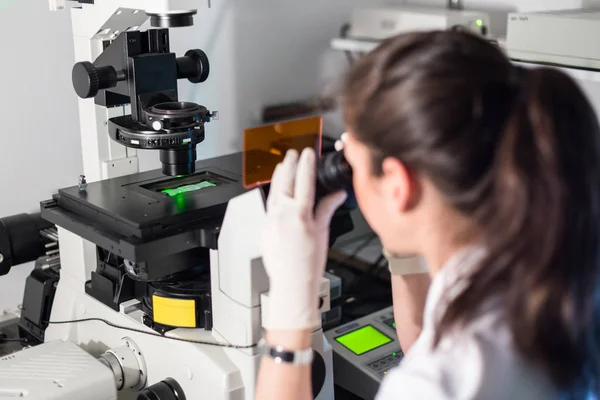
pixel 194 66
pixel 88 79
pixel 168 389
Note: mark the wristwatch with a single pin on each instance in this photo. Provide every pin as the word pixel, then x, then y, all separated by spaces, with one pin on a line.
pixel 282 356
pixel 405 264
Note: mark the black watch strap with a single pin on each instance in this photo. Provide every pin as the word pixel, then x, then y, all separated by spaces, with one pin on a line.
pixel 282 356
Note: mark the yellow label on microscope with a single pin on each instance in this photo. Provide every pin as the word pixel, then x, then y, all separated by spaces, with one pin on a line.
pixel 174 312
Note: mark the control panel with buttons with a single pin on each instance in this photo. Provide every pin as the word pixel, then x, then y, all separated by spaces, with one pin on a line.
pixel 364 351
pixel 385 363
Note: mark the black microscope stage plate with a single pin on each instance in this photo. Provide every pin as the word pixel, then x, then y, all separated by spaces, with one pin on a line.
pixel 134 217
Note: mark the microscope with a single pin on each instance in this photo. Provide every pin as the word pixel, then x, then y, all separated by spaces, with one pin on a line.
pixel 149 285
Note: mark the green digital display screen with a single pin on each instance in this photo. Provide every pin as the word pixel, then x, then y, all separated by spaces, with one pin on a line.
pixel 363 340
pixel 188 188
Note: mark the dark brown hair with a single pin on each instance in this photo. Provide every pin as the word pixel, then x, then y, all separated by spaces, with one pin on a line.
pixel 515 150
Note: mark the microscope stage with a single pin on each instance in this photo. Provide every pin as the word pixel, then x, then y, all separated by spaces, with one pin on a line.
pixel 149 210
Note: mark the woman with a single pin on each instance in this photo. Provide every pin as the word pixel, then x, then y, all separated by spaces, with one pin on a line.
pixel 491 173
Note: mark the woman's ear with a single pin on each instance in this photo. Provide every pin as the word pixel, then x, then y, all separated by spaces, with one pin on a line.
pixel 401 183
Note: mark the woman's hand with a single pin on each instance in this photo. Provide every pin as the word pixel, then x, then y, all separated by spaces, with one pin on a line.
pixel 294 249
pixel 295 243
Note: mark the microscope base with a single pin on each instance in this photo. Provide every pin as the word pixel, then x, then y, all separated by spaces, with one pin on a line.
pixel 204 372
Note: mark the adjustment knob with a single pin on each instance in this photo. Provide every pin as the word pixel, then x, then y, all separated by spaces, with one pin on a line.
pixel 88 79
pixel 194 66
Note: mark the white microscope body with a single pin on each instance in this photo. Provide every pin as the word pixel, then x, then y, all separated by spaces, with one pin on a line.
pixel 239 284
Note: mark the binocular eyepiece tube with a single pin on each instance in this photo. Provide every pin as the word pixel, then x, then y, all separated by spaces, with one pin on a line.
pixel 334 174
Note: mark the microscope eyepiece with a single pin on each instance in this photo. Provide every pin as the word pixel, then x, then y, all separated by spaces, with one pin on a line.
pixel 334 173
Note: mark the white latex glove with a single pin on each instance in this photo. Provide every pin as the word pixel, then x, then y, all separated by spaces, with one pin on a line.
pixel 295 242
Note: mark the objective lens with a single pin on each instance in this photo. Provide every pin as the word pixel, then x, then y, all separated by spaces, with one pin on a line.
pixel 334 173
pixel 178 161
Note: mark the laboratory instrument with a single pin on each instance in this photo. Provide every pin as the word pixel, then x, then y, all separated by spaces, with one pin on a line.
pixel 159 282
pixel 369 25
pixel 383 22
pixel 562 38
pixel 364 351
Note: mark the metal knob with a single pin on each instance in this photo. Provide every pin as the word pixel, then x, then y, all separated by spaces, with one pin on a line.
pixel 88 79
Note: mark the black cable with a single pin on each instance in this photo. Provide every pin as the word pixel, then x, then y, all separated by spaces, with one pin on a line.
pixel 76 321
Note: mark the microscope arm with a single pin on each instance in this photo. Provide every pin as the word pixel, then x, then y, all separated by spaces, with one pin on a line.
pixel 95 24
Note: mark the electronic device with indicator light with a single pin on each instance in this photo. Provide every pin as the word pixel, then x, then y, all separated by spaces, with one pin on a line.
pixel 377 23
pixel 364 351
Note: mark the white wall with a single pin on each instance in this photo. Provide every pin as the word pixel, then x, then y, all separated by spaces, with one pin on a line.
pixel 39 146
pixel 261 52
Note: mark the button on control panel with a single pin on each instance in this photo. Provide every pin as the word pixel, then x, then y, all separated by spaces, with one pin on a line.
pixel 387 319
pixel 390 322
pixel 382 365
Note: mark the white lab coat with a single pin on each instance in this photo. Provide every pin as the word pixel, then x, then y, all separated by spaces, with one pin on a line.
pixel 477 361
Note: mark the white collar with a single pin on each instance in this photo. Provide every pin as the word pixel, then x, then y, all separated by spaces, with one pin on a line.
pixel 451 280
